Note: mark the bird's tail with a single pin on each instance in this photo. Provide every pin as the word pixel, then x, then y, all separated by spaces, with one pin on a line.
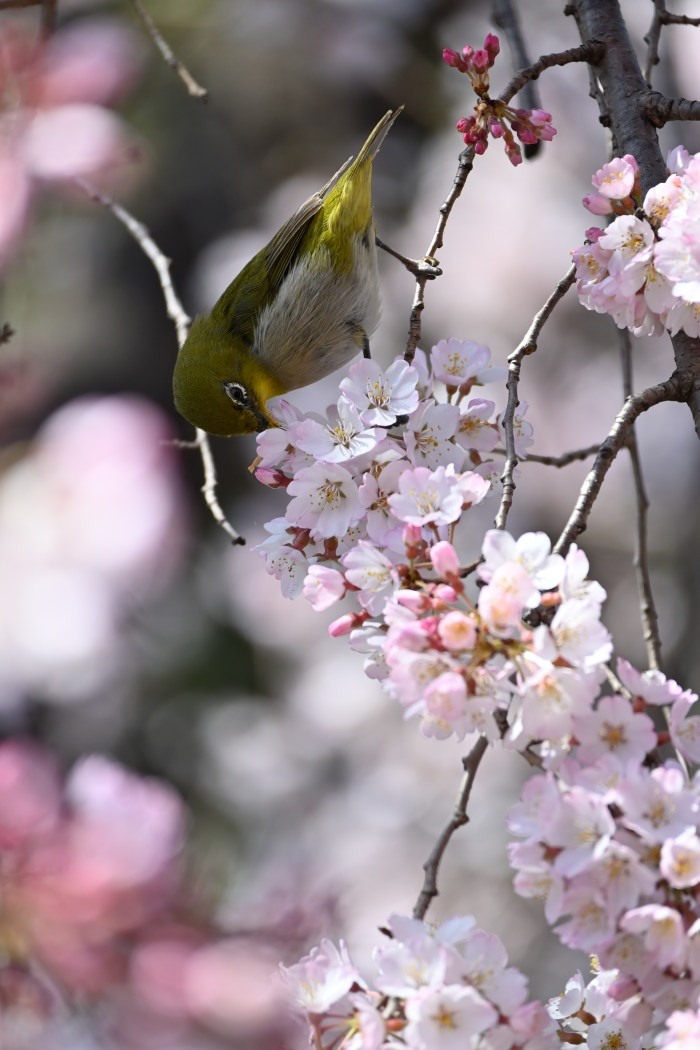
pixel 373 143
pixel 369 150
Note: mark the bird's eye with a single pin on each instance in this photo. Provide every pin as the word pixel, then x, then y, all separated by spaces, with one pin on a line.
pixel 237 393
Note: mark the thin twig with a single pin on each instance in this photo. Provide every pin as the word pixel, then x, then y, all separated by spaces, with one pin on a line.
pixel 590 52
pixel 653 38
pixel 9 5
pixel 209 487
pixel 6 333
pixel 669 19
pixel 417 267
pixel 528 345
pixel 677 388
pixel 161 263
pixel 458 819
pixel 506 19
pixel 181 320
pixel 650 619
pixel 565 459
pixel 466 162
pixel 193 88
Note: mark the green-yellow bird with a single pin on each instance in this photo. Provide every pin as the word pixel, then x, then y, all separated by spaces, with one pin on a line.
pixel 301 308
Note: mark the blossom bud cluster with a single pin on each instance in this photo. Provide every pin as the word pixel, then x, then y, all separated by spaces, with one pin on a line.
pixel 494 117
pixel 644 268
pixel 434 989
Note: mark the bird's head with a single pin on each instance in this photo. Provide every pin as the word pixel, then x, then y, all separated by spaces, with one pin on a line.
pixel 219 386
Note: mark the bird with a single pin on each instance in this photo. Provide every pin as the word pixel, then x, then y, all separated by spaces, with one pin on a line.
pixel 301 308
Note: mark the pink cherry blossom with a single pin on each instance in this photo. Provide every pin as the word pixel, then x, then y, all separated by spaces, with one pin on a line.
pixel 341 437
pixel 323 587
pixel 368 569
pixel 427 497
pixel 616 179
pixel 325 500
pixel 429 434
pixel 381 396
pixel 475 429
pixel 531 551
pixel 614 727
pixel 683 1031
pixel 662 930
pixel 322 978
pixel 680 859
pixel 446 1018
pixel 462 364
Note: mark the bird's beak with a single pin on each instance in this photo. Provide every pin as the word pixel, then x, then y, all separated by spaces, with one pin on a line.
pixel 264 422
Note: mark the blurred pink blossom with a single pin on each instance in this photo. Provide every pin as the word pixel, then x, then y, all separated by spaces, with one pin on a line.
pixel 90 525
pixel 53 123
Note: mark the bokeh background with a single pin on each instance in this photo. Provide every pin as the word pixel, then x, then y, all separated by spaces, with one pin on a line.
pixel 130 627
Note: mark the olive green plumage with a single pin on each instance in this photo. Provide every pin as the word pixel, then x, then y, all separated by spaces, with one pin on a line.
pixel 302 307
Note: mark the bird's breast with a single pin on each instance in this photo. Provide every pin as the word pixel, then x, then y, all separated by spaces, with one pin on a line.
pixel 319 317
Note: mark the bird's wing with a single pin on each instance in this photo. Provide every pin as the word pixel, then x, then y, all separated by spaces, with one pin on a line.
pixel 281 250
pixel 258 282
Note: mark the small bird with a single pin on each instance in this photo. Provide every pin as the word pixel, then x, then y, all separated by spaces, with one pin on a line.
pixel 302 307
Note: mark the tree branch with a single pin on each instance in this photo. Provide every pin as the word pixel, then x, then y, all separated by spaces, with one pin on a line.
pixel 649 616
pixel 506 19
pixel 181 321
pixel 591 52
pixel 459 817
pixel 528 345
pixel 565 459
pixel 674 389
pixel 6 333
pixel 193 88
pixel 659 109
pixel 466 162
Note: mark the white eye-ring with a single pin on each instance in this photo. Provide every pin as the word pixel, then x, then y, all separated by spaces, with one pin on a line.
pixel 237 393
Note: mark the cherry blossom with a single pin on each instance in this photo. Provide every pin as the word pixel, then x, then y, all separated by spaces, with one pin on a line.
pixel 381 397
pixel 644 269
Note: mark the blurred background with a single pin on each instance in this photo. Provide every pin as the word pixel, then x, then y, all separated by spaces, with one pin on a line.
pixel 130 627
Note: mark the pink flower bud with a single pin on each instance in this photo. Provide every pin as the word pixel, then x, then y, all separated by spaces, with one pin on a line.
pixel 414 600
pixel 481 61
pixel 272 477
pixel 345 624
pixel 412 535
pixel 444 559
pixel 444 594
pixel 452 58
pixel 597 204
pixel 492 44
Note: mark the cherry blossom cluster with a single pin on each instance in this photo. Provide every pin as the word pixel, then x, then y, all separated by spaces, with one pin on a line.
pixel 493 117
pixel 390 468
pixel 434 989
pixel 611 845
pixel 644 268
